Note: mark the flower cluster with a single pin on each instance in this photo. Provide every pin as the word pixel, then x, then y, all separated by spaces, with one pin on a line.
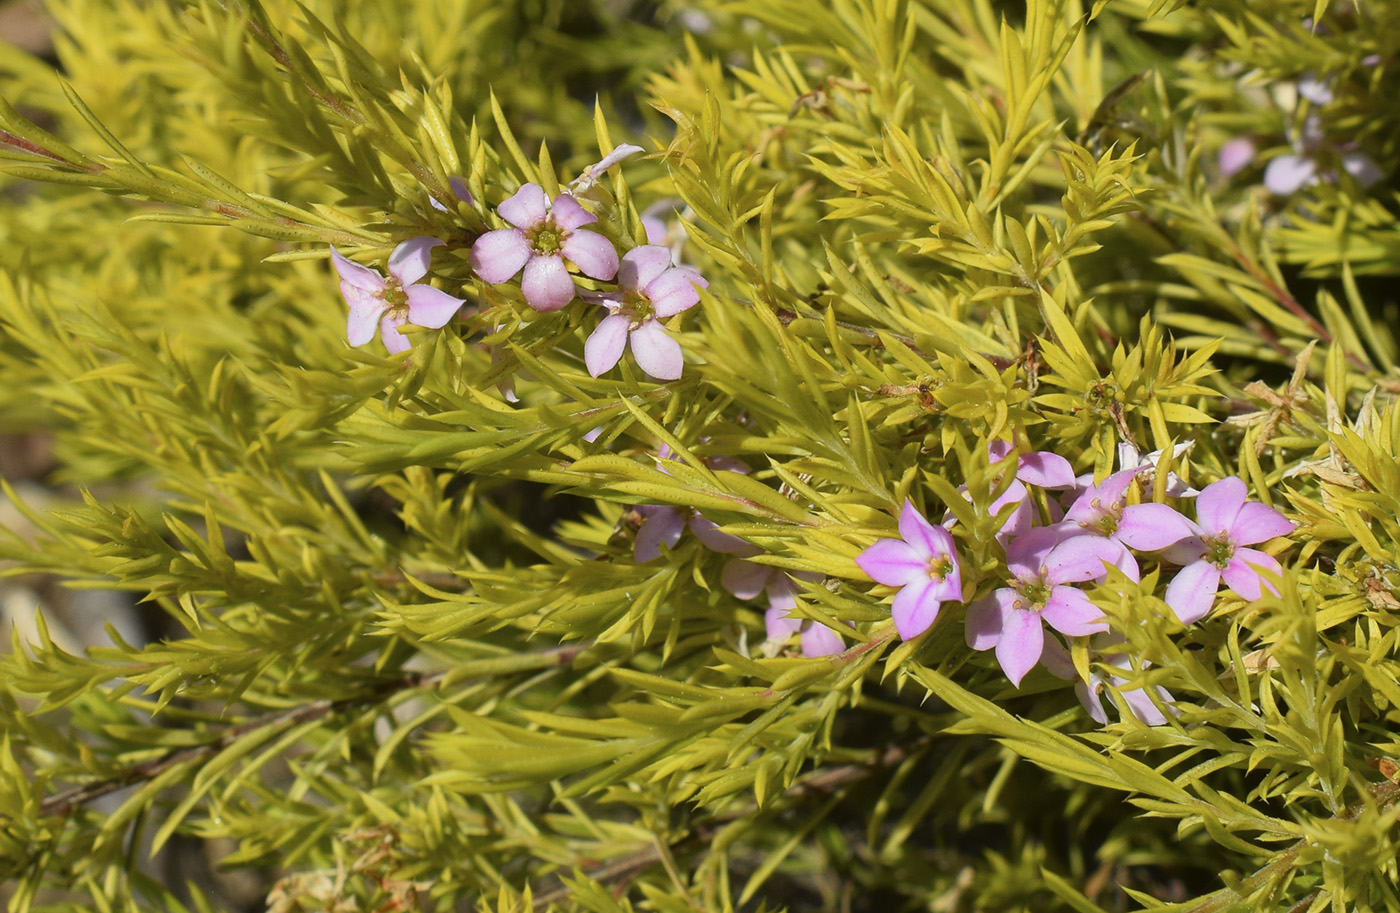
pixel 546 246
pixel 1091 530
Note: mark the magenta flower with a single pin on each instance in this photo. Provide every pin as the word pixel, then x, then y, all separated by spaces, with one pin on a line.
pixel 545 238
pixel 1043 564
pixel 1224 525
pixel 390 302
pixel 924 564
pixel 649 288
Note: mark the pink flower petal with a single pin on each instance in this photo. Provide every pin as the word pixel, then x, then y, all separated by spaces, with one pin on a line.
pixel 1192 591
pixel 744 579
pixel 1081 558
pixel 409 261
pixel 893 563
pixel 431 307
pixel 1235 156
pixel 778 625
pixel 1047 470
pixel 1020 646
pixel 1071 613
pixel 546 284
pixel 782 592
pixel 1149 527
pixel 986 617
pixel 641 265
pixel 365 311
pixel 672 292
pixel 657 353
pixel 355 275
pixel 819 640
pixel 498 255
pixel 914 609
pixel 1287 173
pixel 1242 573
pixel 709 535
pixel 605 345
pixel 528 208
pixel 660 525
pixel 1219 503
pixel 568 215
pixel 394 341
pixel 1140 703
pixel 593 254
pixel 1259 523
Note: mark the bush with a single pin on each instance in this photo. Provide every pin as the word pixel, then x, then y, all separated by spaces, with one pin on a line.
pixel 866 455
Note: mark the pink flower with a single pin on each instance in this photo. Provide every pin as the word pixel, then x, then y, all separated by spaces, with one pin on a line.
pixel 746 579
pixel 1057 661
pixel 816 638
pixel 1042 563
pixel 1224 525
pixel 1102 510
pixel 923 562
pixel 545 237
pixel 390 302
pixel 664 525
pixel 649 288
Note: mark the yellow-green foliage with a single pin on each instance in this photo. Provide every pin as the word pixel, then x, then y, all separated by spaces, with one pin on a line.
pixel 407 659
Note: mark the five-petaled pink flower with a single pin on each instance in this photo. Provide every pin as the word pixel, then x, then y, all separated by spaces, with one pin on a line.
pixel 1043 564
pixel 924 564
pixel 648 288
pixel 390 302
pixel 1224 525
pixel 1102 510
pixel 545 237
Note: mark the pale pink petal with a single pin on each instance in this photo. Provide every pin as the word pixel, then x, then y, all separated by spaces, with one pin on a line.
pixel 365 311
pixel 546 284
pixel 672 292
pixel 1259 523
pixel 985 618
pixel 409 261
pixel 1140 703
pixel 819 640
pixel 1362 168
pixel 1056 660
pixel 592 253
pixel 660 525
pixel 1235 156
pixel 1149 527
pixel 657 353
pixel 1020 646
pixel 998 451
pixel 1242 573
pixel 1192 591
pixel 1018 521
pixel 893 563
pixel 459 187
pixel 605 345
pixel 1287 173
pixel 709 535
pixel 498 255
pixel 1089 699
pixel 1047 470
pixel 641 265
pixel 528 208
pixel 914 609
pixel 1071 613
pixel 355 275
pixel 782 592
pixel 744 579
pixel 1219 503
pixel 1026 554
pixel 568 215
pixel 1116 485
pixel 1081 558
pixel 778 625
pixel 431 307
pixel 1188 550
pixel 655 229
pixel 394 341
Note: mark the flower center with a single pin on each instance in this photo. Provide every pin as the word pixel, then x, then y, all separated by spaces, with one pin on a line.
pixel 939 567
pixel 1034 591
pixel 1103 518
pixel 636 303
pixel 547 239
pixel 1219 549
